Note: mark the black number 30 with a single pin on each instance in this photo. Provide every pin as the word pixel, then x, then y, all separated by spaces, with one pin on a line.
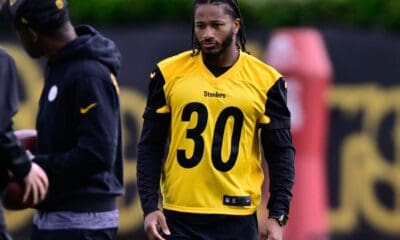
pixel 195 134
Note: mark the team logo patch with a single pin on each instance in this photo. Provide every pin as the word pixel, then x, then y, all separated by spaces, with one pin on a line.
pixel 239 201
pixel 52 93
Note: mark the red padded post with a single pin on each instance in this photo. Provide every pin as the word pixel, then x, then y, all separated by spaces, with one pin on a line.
pixel 300 55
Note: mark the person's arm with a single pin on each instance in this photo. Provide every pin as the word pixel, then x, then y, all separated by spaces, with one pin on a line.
pixel 8 91
pixel 152 145
pixel 10 148
pixel 279 153
pixel 98 119
pixel 151 152
pixel 12 152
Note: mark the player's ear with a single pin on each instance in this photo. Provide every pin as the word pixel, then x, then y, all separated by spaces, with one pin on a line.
pixel 236 25
pixel 27 35
pixel 32 34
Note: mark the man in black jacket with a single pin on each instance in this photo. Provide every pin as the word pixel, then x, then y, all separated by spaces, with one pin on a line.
pixel 78 124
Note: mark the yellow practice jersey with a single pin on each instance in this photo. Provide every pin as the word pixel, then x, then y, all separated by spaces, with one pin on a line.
pixel 214 162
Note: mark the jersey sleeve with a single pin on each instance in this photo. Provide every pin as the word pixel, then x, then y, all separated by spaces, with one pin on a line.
pixel 276 108
pixel 152 144
pixel 156 101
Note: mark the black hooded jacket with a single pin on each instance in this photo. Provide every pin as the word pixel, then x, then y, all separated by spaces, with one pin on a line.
pixel 79 127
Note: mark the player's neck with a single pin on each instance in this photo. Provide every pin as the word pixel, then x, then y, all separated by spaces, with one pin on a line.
pixel 57 42
pixel 227 58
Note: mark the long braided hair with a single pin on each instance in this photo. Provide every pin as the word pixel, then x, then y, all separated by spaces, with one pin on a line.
pixel 234 10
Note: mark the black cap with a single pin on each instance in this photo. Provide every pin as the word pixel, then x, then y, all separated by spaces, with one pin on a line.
pixel 44 15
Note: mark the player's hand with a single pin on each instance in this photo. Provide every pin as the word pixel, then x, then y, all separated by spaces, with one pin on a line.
pixel 271 230
pixel 154 223
pixel 36 184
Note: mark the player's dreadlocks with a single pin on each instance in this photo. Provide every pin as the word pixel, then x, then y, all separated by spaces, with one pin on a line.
pixel 234 11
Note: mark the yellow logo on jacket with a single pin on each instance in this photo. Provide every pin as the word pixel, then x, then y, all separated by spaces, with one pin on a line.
pixel 87 109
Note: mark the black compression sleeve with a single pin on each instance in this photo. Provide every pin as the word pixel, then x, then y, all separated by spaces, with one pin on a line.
pixel 279 153
pixel 151 152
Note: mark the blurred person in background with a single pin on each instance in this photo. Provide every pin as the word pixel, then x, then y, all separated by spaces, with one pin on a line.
pixel 12 154
pixel 214 105
pixel 78 123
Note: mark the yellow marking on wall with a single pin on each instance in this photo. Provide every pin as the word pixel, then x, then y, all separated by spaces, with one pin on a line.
pixel 362 163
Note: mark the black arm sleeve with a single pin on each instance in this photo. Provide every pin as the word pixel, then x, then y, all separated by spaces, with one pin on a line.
pixel 152 145
pixel 12 152
pixel 97 131
pixel 279 151
pixel 8 91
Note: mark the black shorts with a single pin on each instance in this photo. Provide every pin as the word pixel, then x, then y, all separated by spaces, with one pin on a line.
pixel 211 227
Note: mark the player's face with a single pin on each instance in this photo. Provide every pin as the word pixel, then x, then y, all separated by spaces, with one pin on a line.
pixel 29 41
pixel 215 30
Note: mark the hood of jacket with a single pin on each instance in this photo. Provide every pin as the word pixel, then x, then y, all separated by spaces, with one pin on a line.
pixel 90 44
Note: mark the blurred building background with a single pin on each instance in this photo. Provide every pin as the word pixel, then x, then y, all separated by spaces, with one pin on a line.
pixel 342 62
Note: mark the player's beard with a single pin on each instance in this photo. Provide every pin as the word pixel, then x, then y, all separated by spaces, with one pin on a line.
pixel 212 55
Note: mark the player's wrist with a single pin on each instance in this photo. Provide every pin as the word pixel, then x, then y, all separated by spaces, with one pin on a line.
pixel 149 210
pixel 281 219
